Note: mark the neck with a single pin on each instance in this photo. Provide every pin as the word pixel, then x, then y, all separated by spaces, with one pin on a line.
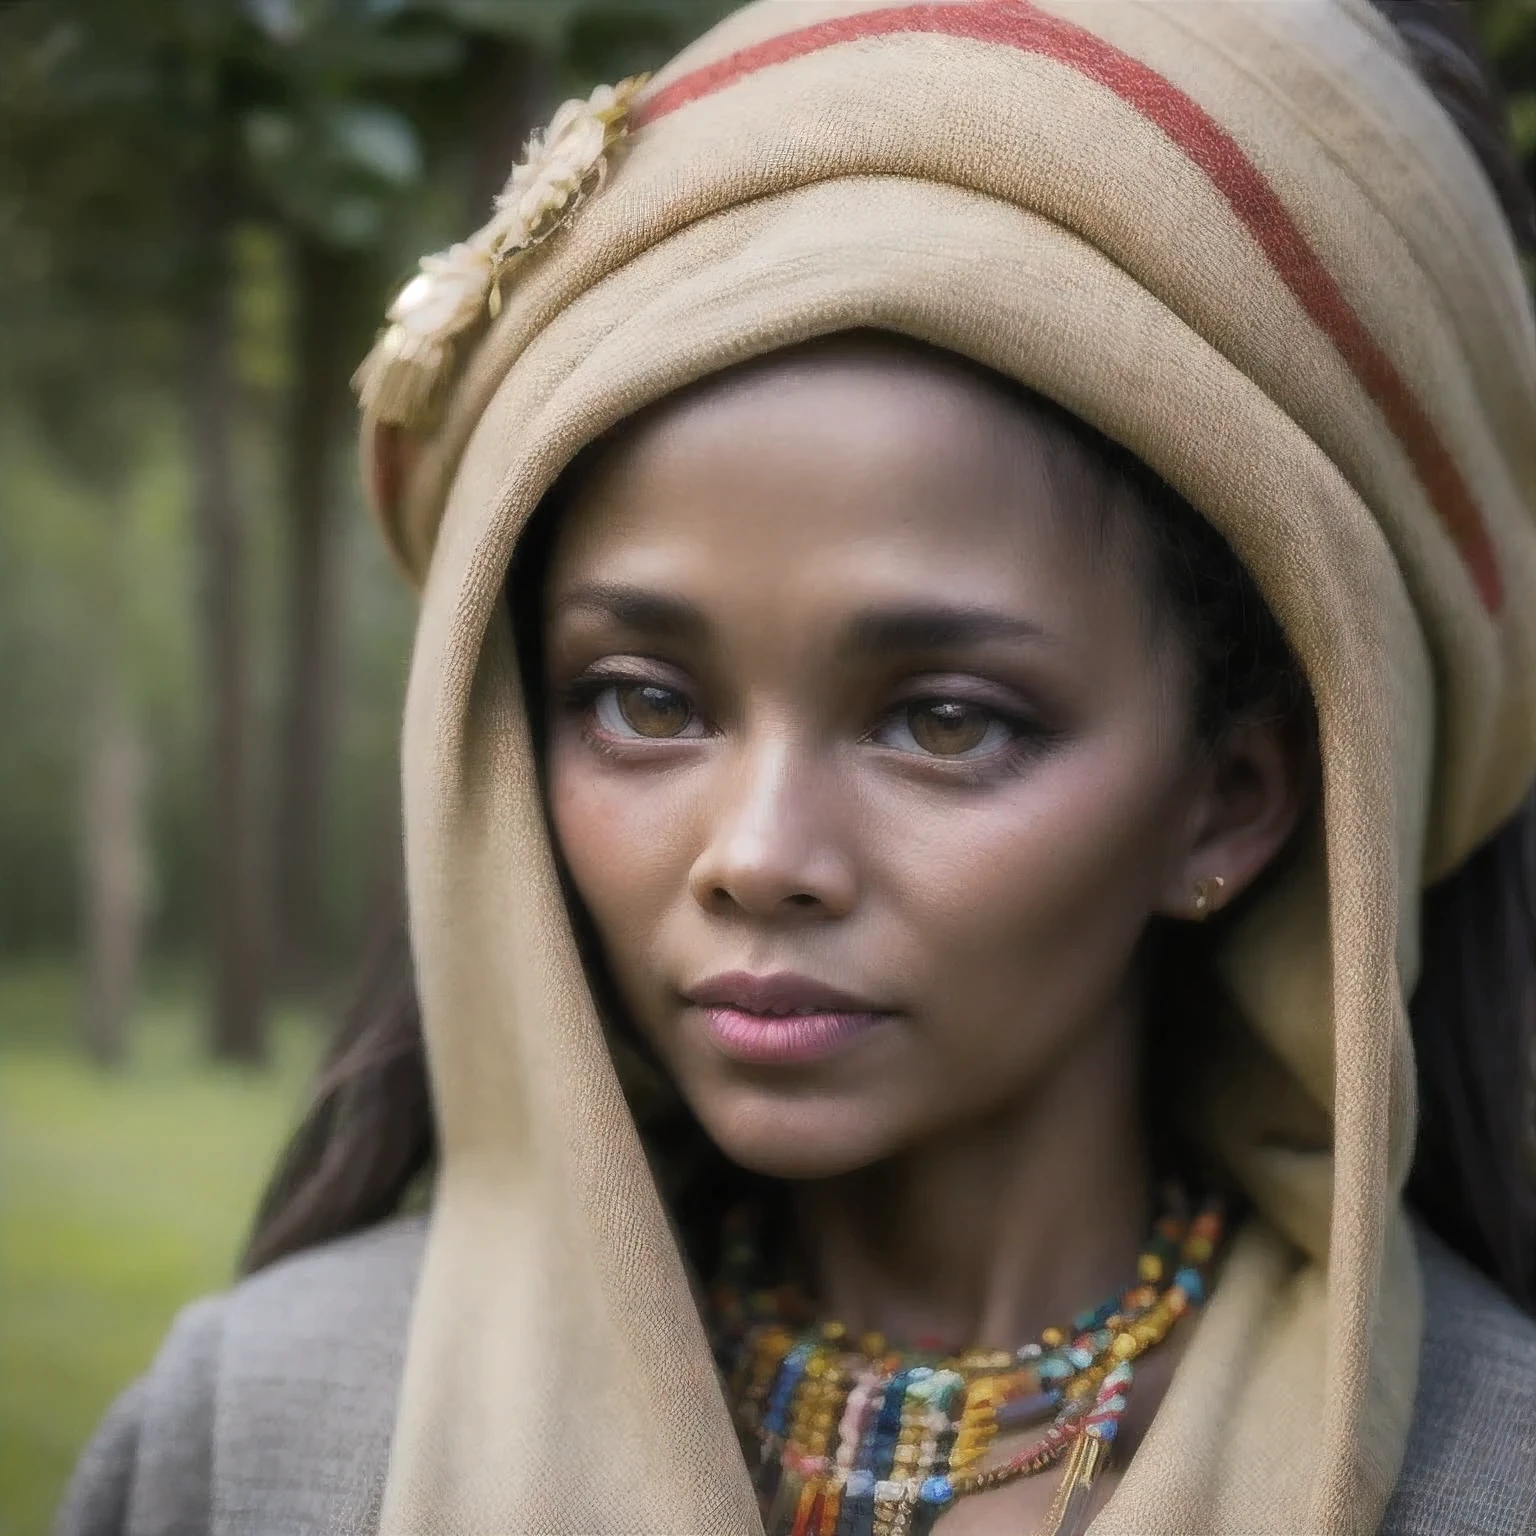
pixel 997 1229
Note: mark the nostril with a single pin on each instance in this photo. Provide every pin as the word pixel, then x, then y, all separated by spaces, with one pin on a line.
pixel 803 899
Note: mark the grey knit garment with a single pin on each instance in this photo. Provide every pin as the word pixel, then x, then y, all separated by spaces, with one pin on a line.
pixel 268 1411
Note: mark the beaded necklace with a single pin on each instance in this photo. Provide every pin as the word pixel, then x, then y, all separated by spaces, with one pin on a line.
pixel 859 1439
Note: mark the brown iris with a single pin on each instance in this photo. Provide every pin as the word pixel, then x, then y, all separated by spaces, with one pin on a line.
pixel 947 727
pixel 650 710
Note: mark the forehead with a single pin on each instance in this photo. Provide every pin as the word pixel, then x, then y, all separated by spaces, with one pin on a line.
pixel 858 462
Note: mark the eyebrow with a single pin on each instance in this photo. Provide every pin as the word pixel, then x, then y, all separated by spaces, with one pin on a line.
pixel 875 631
pixel 654 613
pixel 933 627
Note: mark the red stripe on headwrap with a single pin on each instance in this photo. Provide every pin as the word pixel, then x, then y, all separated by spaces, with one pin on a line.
pixel 1018 24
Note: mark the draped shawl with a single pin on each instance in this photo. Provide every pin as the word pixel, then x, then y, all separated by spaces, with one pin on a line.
pixel 1239 238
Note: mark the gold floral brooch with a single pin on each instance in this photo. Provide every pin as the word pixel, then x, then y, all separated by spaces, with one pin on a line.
pixel 403 379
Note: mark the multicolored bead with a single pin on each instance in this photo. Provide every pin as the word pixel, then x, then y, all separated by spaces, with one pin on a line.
pixel 869 1442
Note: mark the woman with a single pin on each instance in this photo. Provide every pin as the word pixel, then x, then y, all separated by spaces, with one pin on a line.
pixel 973 563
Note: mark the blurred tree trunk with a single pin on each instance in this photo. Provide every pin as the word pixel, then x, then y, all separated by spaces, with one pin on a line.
pixel 238 1018
pixel 115 859
pixel 328 340
pixel 336 303
pixel 508 83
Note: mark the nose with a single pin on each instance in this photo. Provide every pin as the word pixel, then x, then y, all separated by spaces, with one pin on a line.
pixel 776 843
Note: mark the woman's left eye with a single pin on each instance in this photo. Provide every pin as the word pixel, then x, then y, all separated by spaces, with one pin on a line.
pixel 946 728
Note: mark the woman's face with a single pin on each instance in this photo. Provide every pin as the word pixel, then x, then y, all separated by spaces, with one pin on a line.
pixel 865 756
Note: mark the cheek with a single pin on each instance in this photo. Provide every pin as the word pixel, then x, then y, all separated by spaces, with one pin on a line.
pixel 1029 902
pixel 620 841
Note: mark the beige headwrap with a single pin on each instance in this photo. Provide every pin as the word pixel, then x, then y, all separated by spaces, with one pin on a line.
pixel 1241 239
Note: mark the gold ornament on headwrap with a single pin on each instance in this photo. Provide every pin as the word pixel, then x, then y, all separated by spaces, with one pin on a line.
pixel 402 379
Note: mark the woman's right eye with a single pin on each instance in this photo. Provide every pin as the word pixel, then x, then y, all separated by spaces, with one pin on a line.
pixel 647 711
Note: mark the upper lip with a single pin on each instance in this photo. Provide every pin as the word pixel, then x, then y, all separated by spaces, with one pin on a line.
pixel 782 992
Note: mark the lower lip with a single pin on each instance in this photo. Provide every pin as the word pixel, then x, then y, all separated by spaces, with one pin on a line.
pixel 786 1039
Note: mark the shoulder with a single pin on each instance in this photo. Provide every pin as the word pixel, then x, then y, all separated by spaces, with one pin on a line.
pixel 1470 1465
pixel 334 1313
pixel 268 1407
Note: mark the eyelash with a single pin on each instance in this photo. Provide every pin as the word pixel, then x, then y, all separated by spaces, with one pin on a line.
pixel 1027 738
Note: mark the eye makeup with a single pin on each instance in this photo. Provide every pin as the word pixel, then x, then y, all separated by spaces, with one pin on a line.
pixel 632 709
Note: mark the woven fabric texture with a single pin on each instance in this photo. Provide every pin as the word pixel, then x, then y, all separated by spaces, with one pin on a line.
pixel 314 1463
pixel 1239 238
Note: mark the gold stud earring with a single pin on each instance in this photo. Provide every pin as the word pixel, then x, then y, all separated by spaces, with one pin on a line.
pixel 1208 891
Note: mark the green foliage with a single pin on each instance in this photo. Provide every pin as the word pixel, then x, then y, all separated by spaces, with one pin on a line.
pixel 344 121
pixel 1508 29
pixel 559 26
pixel 126 1195
pixel 608 42
pixel 56 534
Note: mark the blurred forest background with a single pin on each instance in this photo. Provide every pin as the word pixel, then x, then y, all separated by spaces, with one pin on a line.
pixel 204 205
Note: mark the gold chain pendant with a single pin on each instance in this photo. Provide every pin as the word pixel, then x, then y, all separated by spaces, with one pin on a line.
pixel 1068 1514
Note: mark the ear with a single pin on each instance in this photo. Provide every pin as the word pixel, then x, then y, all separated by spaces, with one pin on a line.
pixel 1255 786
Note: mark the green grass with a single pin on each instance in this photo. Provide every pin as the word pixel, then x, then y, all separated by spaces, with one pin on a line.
pixel 125 1194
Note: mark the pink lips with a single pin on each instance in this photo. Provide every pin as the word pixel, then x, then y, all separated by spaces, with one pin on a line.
pixel 783 1019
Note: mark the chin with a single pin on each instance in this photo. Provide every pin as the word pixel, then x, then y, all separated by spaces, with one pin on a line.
pixel 795 1136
